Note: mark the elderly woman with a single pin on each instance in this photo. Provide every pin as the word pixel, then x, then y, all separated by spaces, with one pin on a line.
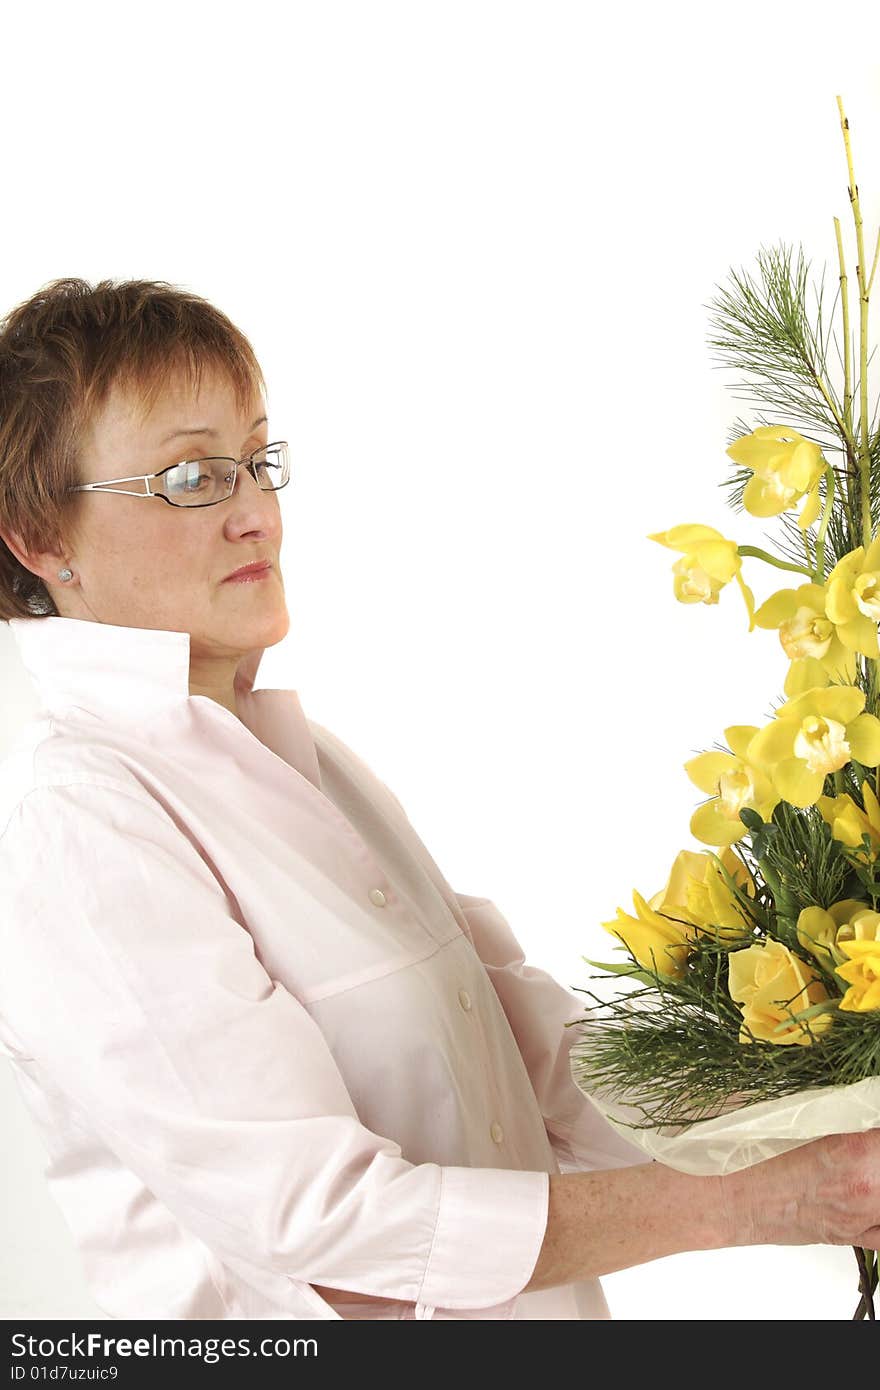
pixel 280 1068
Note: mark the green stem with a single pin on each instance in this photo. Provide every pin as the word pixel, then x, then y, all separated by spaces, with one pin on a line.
pixel 864 452
pixel 874 266
pixel 772 560
pixel 847 373
pixel 847 343
pixel 782 901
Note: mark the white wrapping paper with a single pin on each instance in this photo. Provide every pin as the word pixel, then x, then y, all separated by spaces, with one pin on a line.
pixel 744 1134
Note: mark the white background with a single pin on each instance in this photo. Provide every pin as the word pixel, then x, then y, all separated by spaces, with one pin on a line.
pixel 472 244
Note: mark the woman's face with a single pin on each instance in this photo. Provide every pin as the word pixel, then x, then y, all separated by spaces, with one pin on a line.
pixel 143 563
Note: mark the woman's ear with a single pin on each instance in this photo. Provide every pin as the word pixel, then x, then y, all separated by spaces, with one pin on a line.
pixel 13 542
pixel 43 563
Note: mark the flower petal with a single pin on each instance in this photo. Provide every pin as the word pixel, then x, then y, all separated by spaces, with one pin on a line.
pixel 796 784
pixel 840 702
pixel 739 736
pixel 685 536
pixel 863 737
pixel 706 768
pixel 710 826
pixel 804 673
pixel 749 598
pixel 779 607
pixel 860 635
pixel 811 508
pixel 759 500
pixel 773 742
pixel 718 558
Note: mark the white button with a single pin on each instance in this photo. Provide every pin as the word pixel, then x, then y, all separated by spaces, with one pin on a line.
pixel 496 1131
pixel 464 999
pixel 377 897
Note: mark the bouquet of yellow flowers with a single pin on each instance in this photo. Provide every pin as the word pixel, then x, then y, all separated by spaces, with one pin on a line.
pixel 749 1021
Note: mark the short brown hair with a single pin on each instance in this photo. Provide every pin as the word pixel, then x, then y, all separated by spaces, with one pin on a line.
pixel 61 352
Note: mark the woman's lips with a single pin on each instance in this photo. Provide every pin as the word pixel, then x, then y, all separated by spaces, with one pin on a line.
pixel 247 576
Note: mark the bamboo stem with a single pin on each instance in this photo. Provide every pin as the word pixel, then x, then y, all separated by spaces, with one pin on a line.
pixel 847 366
pixel 874 266
pixel 863 450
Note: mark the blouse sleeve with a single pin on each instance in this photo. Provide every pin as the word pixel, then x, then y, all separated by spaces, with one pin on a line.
pixel 131 981
pixel 538 1008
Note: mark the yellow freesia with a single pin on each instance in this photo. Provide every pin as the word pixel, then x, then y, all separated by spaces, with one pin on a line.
pixel 708 563
pixel 862 971
pixel 848 822
pixel 812 735
pixel 734 782
pixel 821 929
pixel 808 637
pixel 861 925
pixel 770 984
pixel 657 942
pixel 697 891
pixel 785 468
pixel 853 602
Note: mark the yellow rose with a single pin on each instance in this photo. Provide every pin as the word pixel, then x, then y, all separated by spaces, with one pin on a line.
pixel 771 984
pixel 657 942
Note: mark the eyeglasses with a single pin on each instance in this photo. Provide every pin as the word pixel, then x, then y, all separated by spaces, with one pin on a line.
pixel 205 482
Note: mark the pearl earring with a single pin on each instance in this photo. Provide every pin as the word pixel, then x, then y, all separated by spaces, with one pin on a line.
pixel 65 574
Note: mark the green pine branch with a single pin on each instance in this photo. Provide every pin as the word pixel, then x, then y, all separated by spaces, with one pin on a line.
pixel 672 1050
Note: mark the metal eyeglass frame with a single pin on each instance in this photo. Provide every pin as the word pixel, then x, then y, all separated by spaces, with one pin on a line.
pixel 144 478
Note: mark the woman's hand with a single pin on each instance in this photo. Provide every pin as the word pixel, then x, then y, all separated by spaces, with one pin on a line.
pixel 826 1192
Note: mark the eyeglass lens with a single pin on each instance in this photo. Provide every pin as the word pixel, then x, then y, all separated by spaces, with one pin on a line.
pixel 199 482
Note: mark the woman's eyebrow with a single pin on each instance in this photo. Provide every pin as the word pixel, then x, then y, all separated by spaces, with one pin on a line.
pixel 205 429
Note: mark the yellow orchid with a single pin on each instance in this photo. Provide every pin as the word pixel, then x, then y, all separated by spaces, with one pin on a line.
pixel 657 942
pixel 809 638
pixel 770 984
pixel 812 735
pixel 707 564
pixel 785 466
pixel 821 929
pixel 735 782
pixel 697 891
pixel 848 822
pixel 853 602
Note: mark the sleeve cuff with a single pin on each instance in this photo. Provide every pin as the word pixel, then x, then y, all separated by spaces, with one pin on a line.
pixel 490 1228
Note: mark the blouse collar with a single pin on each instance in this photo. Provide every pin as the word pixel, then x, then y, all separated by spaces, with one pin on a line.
pixel 117 673
pixel 80 662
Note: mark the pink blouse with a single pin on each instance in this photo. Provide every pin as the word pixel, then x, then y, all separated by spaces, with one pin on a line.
pixel 265 1045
